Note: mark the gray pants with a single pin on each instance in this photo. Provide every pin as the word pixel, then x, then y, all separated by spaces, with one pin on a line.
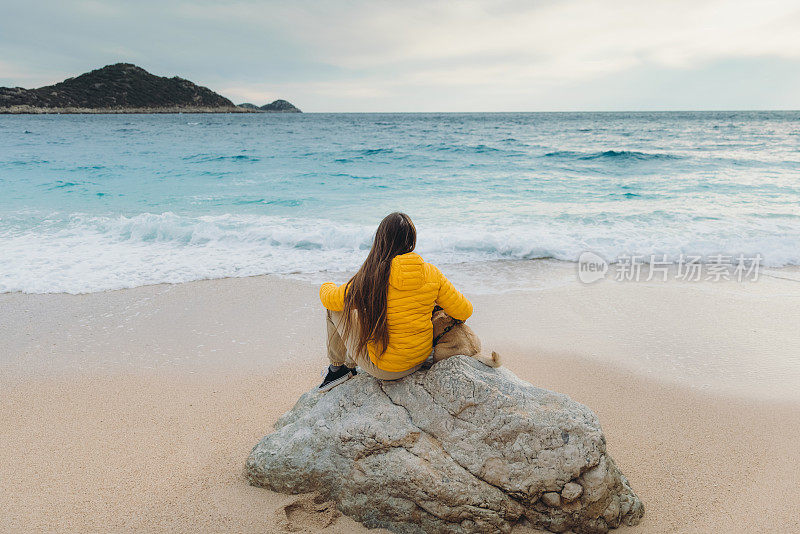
pixel 343 351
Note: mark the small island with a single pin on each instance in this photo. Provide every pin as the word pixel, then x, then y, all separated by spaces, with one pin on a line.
pixel 278 106
pixel 126 88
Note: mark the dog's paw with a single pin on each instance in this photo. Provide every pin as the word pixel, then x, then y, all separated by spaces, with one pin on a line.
pixel 489 361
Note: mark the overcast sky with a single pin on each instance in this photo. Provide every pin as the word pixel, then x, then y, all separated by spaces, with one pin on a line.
pixel 427 56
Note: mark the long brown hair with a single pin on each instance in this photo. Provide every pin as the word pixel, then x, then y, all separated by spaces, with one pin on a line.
pixel 366 291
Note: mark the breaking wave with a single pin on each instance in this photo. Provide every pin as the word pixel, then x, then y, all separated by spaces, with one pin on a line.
pixel 82 253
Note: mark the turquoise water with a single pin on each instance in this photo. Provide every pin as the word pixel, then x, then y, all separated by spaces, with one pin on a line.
pixel 95 202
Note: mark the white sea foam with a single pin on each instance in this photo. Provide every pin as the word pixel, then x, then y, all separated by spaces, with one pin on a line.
pixel 84 253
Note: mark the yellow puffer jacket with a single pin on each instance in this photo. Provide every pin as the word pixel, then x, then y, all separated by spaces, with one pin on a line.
pixel 414 288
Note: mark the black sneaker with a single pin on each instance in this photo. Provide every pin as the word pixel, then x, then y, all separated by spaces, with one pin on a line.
pixel 334 378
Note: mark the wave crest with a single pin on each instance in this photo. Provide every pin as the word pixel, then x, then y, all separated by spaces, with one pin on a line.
pixel 618 155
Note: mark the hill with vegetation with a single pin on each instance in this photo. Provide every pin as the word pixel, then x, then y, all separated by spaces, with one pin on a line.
pixel 118 88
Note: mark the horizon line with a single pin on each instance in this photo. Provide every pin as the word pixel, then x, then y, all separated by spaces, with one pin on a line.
pixel 570 111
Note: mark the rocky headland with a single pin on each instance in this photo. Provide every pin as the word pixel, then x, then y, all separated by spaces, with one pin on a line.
pixel 119 88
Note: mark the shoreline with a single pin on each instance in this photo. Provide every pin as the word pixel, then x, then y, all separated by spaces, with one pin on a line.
pixel 543 272
pixel 135 409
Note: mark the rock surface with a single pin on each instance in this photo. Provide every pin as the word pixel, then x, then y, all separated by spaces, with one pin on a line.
pixel 458 448
pixel 571 491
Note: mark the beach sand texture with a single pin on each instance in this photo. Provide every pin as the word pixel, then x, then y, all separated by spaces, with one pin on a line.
pixel 135 409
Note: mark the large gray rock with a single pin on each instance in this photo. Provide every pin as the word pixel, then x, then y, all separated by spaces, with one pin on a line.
pixel 458 448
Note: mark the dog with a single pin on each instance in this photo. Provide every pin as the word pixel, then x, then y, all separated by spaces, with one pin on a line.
pixel 459 339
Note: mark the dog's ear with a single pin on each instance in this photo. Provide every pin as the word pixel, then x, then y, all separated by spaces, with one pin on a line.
pixel 439 315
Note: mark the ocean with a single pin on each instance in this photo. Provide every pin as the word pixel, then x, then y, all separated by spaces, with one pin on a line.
pixel 99 202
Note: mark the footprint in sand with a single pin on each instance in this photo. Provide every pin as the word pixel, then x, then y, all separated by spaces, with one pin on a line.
pixel 307 513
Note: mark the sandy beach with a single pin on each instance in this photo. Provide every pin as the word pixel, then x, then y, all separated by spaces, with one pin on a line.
pixel 135 409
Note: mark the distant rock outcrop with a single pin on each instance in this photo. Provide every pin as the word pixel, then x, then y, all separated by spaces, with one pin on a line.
pixel 121 87
pixel 280 106
pixel 459 448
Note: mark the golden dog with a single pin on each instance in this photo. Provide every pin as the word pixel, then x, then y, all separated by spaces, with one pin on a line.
pixel 460 339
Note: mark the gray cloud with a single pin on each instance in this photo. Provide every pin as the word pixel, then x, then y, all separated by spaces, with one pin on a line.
pixel 435 56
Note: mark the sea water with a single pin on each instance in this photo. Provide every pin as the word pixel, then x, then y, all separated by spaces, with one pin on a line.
pixel 97 202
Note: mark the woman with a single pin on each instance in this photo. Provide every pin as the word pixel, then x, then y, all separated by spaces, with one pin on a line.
pixel 381 319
